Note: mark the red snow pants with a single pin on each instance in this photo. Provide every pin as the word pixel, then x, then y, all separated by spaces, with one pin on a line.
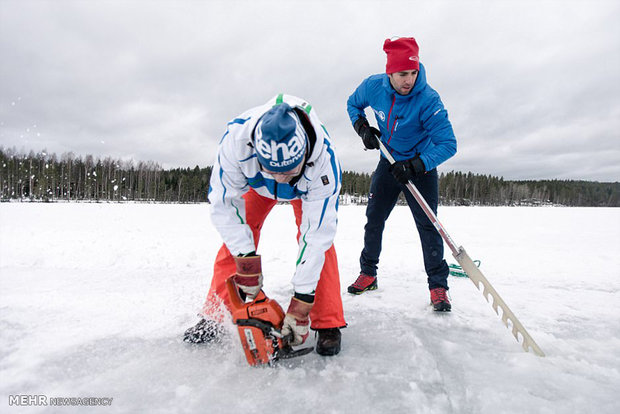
pixel 327 310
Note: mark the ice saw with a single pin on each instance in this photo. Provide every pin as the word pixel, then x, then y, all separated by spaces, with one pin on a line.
pixel 259 323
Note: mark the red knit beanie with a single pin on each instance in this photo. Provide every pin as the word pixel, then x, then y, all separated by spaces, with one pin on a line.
pixel 402 54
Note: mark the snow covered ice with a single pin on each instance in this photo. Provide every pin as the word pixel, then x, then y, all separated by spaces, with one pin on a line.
pixel 95 298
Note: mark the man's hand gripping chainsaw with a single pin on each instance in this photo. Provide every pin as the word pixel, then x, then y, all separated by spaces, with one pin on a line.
pixel 259 323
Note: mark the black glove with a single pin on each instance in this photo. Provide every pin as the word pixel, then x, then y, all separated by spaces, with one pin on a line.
pixel 369 134
pixel 407 170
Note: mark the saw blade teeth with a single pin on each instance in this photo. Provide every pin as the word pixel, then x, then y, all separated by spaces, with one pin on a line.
pixel 508 318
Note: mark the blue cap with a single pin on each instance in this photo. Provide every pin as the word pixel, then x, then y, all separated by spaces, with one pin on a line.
pixel 280 139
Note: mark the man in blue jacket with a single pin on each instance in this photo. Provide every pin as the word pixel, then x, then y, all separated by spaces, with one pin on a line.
pixel 414 126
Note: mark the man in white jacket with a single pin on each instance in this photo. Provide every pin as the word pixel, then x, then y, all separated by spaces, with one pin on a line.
pixel 279 151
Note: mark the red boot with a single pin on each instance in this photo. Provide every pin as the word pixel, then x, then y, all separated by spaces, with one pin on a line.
pixel 362 284
pixel 440 301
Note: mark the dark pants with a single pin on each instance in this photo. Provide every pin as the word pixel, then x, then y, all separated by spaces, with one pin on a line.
pixel 384 192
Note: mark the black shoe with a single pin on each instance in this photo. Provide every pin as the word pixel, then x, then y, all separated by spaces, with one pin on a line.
pixel 328 343
pixel 363 284
pixel 204 331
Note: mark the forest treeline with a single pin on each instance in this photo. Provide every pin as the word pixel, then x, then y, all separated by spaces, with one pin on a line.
pixel 47 177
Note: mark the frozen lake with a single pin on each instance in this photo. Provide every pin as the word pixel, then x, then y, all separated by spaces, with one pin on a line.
pixel 94 299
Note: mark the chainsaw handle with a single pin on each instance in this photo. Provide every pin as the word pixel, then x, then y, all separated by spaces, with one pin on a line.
pixel 235 297
pixel 285 338
pixel 233 293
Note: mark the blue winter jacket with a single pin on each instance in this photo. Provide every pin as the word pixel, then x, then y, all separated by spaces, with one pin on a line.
pixel 416 123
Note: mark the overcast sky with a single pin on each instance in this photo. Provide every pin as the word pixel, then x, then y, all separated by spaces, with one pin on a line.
pixel 532 87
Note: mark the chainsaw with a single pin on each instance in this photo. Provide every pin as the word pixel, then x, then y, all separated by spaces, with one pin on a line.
pixel 259 323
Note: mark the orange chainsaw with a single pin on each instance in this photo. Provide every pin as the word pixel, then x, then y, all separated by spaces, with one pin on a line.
pixel 259 323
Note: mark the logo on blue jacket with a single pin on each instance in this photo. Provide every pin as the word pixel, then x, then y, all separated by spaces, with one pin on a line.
pixel 380 114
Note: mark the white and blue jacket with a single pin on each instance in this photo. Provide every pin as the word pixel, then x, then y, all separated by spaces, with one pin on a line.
pixel 236 170
pixel 416 123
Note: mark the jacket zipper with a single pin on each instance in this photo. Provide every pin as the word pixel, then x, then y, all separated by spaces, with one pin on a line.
pixel 388 120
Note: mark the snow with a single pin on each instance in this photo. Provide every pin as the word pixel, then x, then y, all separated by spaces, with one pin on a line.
pixel 95 298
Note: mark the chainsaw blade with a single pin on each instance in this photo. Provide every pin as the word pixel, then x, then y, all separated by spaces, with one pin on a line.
pixel 287 352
